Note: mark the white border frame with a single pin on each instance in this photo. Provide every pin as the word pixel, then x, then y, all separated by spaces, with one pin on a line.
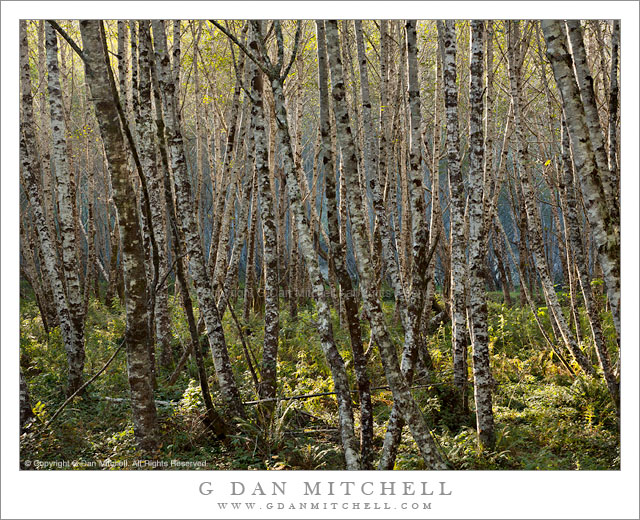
pixel 174 494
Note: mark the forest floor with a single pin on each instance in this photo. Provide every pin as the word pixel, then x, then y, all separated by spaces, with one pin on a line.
pixel 545 417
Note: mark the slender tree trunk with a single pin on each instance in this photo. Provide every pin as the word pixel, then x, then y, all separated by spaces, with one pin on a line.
pixel 532 305
pixel 614 108
pixel 28 252
pixel 26 412
pixel 334 359
pixel 67 222
pixel 30 182
pixel 221 209
pixel 483 381
pixel 533 216
pixel 447 38
pixel 213 420
pixel 592 117
pixel 268 368
pixel 604 226
pixel 338 255
pixel 249 277
pixel 277 74
pixel 397 382
pixel 184 208
pixel 370 151
pixel 149 162
pixel 222 259
pixel 503 266
pixel 49 202
pixel 420 261
pixel 574 235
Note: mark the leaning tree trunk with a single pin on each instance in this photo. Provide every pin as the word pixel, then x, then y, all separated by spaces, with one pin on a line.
pixel 184 209
pixel 277 74
pixel 530 201
pixel 66 211
pixel 605 228
pixel 212 420
pixel 227 163
pixel 336 363
pixel 419 257
pixel 102 87
pixel 574 239
pixel 585 81
pixel 397 382
pixel 338 255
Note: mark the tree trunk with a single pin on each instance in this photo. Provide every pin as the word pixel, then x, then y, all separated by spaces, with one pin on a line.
pixel 156 189
pixel 397 382
pixel 102 86
pixel 530 202
pixel 447 39
pixel 268 368
pixel 67 222
pixel 614 107
pixel 417 288
pixel 483 381
pixel 338 255
pixel 213 420
pixel 184 209
pixel 26 413
pixel 604 226
pixel 574 235
pixel 587 94
pixel 277 73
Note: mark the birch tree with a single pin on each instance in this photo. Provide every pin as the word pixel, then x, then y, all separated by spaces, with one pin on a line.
pixel 66 214
pixel 447 39
pixel 277 73
pixel 515 58
pixel 605 227
pixel 572 227
pixel 483 381
pixel 149 162
pixel 397 381
pixel 184 208
pixel 338 256
pixel 32 186
pixel 268 370
pixel 102 86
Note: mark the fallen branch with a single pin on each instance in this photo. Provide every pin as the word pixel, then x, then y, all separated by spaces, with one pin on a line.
pixel 125 400
pixel 70 398
pixel 183 360
pixel 245 349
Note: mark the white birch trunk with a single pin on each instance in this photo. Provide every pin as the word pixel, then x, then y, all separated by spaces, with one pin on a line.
pixel 605 228
pixel 397 382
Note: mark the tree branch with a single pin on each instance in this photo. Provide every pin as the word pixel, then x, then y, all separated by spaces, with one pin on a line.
pixel 294 52
pixel 242 46
pixel 68 38
pixel 70 398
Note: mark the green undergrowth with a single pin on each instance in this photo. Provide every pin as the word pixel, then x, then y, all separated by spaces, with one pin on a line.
pixel 545 417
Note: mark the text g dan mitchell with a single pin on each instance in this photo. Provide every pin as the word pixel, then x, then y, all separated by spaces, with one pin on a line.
pixel 328 488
